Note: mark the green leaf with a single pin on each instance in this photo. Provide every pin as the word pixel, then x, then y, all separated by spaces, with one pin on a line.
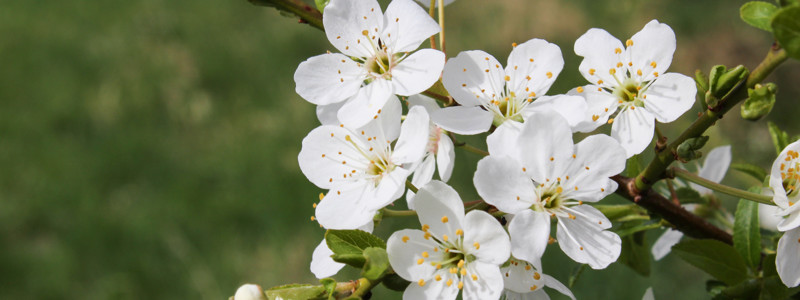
pixel 755 171
pixel 768 265
pixel 779 137
pixel 321 4
pixel 716 258
pixel 758 14
pixel 688 195
pixel 785 3
pixel 746 233
pixel 633 166
pixel 395 282
pixel 635 250
pixel 355 260
pixel 772 288
pixel 722 80
pixel 377 263
pixel 296 291
pixel 330 286
pixel 715 290
pixel 352 241
pixel 786 27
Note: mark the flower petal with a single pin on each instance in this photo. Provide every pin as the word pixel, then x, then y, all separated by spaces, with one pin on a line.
pixel 768 216
pixel 364 106
pixel 670 96
pixel 601 52
pixel 344 207
pixel 422 175
pixel 328 78
pixel 714 167
pixel 485 238
pixel 413 138
pixel 417 72
pixel 326 114
pixel 520 277
pixel 489 284
pixel 600 105
pixel 407 26
pixel 597 158
pixel 503 141
pixel 533 67
pixel 427 102
pixel 788 261
pixel 466 120
pixel 648 294
pixel 345 21
pixel 322 265
pixel 547 140
pixel 633 128
pixel 664 244
pixel 655 43
pixel 501 182
pixel 387 127
pixel 472 76
pixel 572 108
pixel 405 248
pixel 439 206
pixel 445 157
pixel 319 157
pixel 557 285
pixel 530 232
pixel 585 241
pixel 432 289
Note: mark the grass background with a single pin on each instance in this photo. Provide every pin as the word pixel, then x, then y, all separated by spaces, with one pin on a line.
pixel 148 148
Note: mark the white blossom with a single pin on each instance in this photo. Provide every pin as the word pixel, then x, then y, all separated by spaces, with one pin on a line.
pixel 785 181
pixel 249 292
pixel 453 251
pixel 440 153
pixel 629 86
pixel 376 59
pixel 489 94
pixel 524 282
pixel 536 173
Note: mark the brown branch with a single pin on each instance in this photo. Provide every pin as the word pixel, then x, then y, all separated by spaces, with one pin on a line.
pixel 684 221
pixel 305 12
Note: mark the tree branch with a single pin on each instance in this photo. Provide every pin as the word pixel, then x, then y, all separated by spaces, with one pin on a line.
pixel 305 12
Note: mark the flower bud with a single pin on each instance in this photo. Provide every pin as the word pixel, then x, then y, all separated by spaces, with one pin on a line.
pixel 759 102
pixel 249 292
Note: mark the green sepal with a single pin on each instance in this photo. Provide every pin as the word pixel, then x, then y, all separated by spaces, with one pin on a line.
pixel 746 232
pixel 701 80
pixel 786 27
pixel 635 249
pixel 758 14
pixel 722 80
pixel 750 169
pixel 395 282
pixel 321 4
pixel 297 291
pixel 689 149
pixel 376 263
pixel 759 102
pixel 716 258
pixel 780 139
pixel 330 286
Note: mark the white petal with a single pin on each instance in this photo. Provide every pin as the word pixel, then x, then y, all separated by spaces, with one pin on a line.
pixel 600 53
pixel 413 138
pixel 600 106
pixel 407 26
pixel 422 175
pixel 586 242
pixel 427 102
pixel 547 140
pixel 597 158
pixel 343 208
pixel 472 75
pixel 389 189
pixel 791 218
pixel 533 67
pixel 768 217
pixel 439 206
pixel 466 120
pixel 249 292
pixel 530 232
pixel 572 108
pixel 387 126
pixel 326 114
pixel 664 244
pixel 481 229
pixel 670 96
pixel 432 289
pixel 322 265
pixel 345 21
pixel 520 277
pixel 364 106
pixel 489 284
pixel 648 294
pixel 503 141
pixel 788 259
pixel 417 72
pixel 633 128
pixel 557 285
pixel 538 294
pixel 714 167
pixel 654 43
pixel 328 78
pixel 501 182
pixel 405 248
pixel 445 157
pixel 319 159
pixel 776 181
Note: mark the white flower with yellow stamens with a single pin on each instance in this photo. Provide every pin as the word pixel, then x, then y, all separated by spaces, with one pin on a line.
pixel 440 153
pixel 322 264
pixel 524 282
pixel 785 183
pixel 629 87
pixel 376 59
pixel 489 94
pixel 452 251
pixel 536 173
pixel 360 167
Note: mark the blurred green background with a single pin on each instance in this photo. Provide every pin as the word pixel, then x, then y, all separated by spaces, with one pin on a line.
pixel 148 148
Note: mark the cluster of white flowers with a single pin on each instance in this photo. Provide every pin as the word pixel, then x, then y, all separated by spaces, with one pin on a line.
pixel 365 153
pixel 785 182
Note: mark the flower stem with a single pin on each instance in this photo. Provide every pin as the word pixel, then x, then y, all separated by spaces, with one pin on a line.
pixel 432 12
pixel 466 146
pixel 441 25
pixel 689 176
pixel 398 213
pixel 411 187
pixel 305 12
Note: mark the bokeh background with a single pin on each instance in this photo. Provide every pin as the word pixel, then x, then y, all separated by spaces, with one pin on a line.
pixel 148 148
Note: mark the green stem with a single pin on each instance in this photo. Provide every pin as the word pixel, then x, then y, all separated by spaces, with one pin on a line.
pixel 466 146
pixel 689 176
pixel 655 171
pixel 441 25
pixel 305 12
pixel 398 213
pixel 363 287
pixel 411 186
pixel 441 98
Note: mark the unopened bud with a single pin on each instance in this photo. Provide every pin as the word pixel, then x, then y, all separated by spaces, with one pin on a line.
pixel 760 101
pixel 722 81
pixel 249 292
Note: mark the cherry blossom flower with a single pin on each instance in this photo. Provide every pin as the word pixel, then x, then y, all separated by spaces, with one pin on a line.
pixel 630 88
pixel 452 251
pixel 524 282
pixel 714 168
pixel 376 59
pixel 537 173
pixel 489 94
pixel 785 182
pixel 249 292
pixel 360 167
pixel 440 153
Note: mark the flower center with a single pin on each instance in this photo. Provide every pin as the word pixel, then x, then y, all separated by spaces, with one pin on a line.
pixel 628 92
pixel 551 197
pixel 508 108
pixel 790 173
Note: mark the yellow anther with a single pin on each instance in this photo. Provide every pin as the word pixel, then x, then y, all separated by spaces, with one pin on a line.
pixel 463 272
pixel 314 205
pixel 405 238
pixel 600 81
pixel 445 238
pixel 513 44
pixel 591 71
pixel 655 74
pixel 611 121
pixel 580 89
pixel 421 282
pixel 438 277
pixel 629 43
pixel 571 216
pixel 576 188
pixel 449 282
pixel 595 117
pixel 508 78
pixel 438 266
pixel 639 72
pixel 527 267
pixel 653 64
pixel 549 75
pixel 425 254
pixel 617 51
pixel 321 195
pixel 476 245
pixel 533 288
pixel 425 227
pixel 559 190
pixel 460 263
pixel 313 218
pixel 612 71
pixel 474 277
pixel 531 60
pixel 445 219
pixel 619 65
pixel 552 158
pixel 527 77
pixel 486 58
pixel 453 270
pixel 459 232
pixel 420 261
pixel 460 285
pixel 536 275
